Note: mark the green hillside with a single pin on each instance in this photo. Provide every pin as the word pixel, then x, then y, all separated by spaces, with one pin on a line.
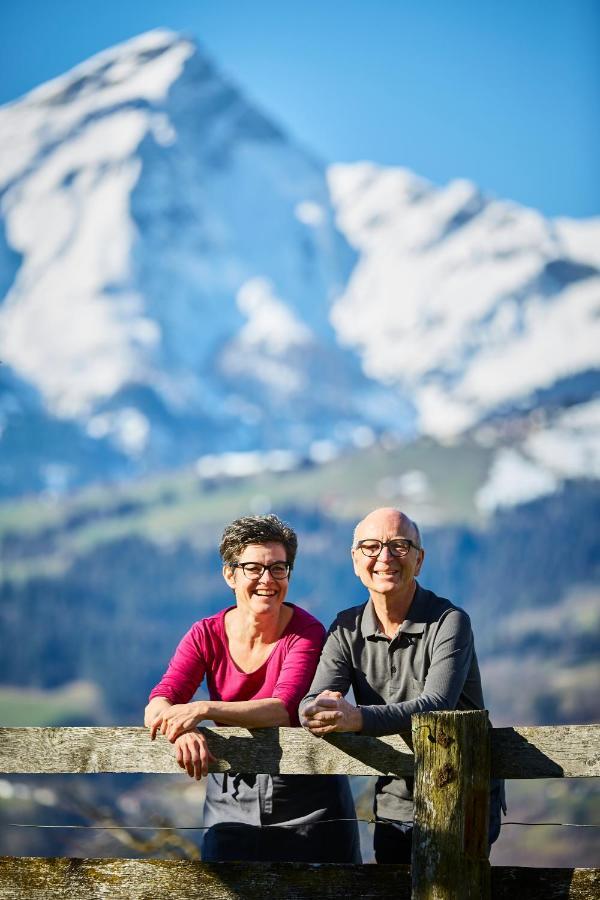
pixel 52 531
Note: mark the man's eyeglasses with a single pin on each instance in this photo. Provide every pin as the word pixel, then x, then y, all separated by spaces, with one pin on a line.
pixel 399 547
pixel 252 570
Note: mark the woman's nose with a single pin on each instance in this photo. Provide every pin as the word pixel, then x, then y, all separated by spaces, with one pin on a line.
pixel 266 576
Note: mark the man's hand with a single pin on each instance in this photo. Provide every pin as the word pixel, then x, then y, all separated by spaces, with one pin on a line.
pixel 193 755
pixel 178 719
pixel 330 712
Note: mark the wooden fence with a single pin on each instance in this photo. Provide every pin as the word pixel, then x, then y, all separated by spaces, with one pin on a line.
pixel 451 755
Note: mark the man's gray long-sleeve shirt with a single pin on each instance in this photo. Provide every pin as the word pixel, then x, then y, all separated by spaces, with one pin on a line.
pixel 429 664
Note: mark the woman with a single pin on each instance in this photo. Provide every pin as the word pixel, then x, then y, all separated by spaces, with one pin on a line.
pixel 259 658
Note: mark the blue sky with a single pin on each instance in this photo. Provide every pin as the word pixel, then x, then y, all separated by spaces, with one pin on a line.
pixel 506 94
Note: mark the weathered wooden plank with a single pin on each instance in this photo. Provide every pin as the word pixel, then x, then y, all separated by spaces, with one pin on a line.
pixel 266 750
pixel 510 883
pixel 554 751
pixel 540 752
pixel 452 790
pixel 35 878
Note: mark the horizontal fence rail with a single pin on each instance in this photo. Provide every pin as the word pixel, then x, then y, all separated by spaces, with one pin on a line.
pixel 450 754
pixel 38 878
pixel 131 879
pixel 570 751
pixel 549 751
pixel 271 751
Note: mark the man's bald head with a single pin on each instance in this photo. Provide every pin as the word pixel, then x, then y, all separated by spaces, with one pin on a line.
pixel 404 524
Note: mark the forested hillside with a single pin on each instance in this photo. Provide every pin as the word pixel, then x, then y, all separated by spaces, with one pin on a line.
pixel 114 615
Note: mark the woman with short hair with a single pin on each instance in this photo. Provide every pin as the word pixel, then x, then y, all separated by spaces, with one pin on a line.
pixel 258 658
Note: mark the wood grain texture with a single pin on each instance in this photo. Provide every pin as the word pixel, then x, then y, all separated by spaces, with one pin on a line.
pixel 541 752
pixel 35 878
pixel 286 751
pixel 553 751
pixel 451 793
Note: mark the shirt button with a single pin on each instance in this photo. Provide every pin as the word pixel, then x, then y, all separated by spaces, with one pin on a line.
pixel 393 670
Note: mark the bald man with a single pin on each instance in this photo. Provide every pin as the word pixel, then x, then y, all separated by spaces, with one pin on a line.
pixel 404 651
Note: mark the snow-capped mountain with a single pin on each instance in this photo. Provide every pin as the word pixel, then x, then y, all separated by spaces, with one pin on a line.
pixel 178 277
pixel 470 305
pixel 170 262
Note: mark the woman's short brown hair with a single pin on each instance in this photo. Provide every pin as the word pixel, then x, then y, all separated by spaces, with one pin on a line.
pixel 257 530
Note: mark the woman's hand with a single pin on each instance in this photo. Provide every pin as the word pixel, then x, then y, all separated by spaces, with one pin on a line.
pixel 192 754
pixel 156 706
pixel 178 719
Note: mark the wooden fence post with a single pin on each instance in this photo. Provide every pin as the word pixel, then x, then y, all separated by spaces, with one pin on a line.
pixel 452 784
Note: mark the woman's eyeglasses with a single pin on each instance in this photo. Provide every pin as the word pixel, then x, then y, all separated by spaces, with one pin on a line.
pixel 254 571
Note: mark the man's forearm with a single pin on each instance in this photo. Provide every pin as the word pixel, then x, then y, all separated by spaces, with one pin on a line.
pixel 392 718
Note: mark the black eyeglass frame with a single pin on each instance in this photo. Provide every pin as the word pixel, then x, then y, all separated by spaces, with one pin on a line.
pixel 255 577
pixel 388 544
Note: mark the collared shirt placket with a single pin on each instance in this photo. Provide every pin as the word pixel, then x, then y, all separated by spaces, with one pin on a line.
pixel 394 662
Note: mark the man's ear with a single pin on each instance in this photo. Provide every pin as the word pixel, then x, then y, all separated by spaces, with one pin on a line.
pixel 420 561
pixel 228 575
pixel 353 553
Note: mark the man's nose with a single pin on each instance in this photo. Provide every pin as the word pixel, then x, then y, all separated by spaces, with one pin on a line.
pixel 385 550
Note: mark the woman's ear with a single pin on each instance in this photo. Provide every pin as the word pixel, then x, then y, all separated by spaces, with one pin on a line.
pixel 229 576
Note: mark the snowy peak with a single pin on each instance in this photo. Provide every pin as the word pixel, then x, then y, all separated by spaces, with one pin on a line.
pixel 467 303
pixel 144 67
pixel 179 278
pixel 172 259
pixel 137 72
pixel 134 77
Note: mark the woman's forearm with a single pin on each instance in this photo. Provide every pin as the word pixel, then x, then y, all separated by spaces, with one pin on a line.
pixel 156 705
pixel 176 719
pixel 247 713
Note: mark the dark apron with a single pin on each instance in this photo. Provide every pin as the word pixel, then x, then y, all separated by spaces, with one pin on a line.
pixel 279 818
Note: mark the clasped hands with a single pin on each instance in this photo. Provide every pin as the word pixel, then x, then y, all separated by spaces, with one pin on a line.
pixel 178 724
pixel 330 712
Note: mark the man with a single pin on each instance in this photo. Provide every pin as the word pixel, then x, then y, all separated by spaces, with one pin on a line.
pixel 404 651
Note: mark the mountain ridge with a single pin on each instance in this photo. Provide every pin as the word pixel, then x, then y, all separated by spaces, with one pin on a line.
pixel 194 282
pixel 469 285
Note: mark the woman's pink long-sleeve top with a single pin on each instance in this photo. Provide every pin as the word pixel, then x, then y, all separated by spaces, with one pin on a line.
pixel 204 652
